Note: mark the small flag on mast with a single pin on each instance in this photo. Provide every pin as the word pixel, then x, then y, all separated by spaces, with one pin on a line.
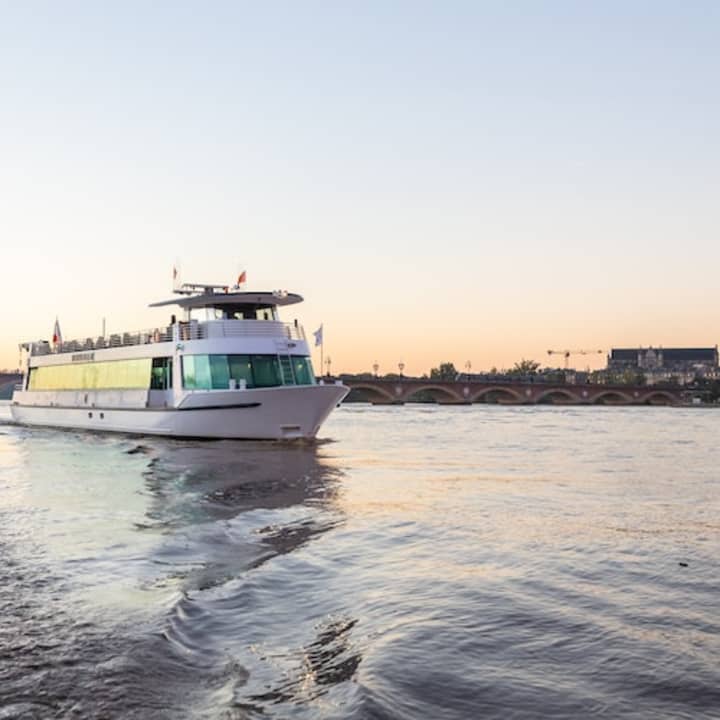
pixel 242 278
pixel 319 341
pixel 176 277
pixel 57 335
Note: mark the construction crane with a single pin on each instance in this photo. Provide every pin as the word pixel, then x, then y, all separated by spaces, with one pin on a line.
pixel 567 353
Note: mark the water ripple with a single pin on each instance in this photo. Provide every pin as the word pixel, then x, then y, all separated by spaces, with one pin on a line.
pixel 428 562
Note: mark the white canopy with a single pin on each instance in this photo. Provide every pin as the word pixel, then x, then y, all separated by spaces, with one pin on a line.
pixel 225 299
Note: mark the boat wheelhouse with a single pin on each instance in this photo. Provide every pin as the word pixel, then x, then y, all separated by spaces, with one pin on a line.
pixel 227 368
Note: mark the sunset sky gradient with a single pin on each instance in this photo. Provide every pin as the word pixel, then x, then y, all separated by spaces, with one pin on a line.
pixel 442 181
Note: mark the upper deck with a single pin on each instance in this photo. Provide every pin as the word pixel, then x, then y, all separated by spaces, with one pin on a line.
pixel 209 312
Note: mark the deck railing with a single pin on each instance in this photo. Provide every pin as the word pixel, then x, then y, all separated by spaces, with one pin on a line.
pixel 253 328
pixel 139 337
pixel 185 331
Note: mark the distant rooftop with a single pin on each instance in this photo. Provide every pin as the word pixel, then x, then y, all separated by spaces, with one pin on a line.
pixel 669 354
pixel 667 358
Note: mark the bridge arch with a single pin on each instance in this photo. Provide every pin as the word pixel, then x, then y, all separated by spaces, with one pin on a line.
pixel 436 392
pixel 497 394
pixel 612 397
pixel 374 393
pixel 557 396
pixel 659 397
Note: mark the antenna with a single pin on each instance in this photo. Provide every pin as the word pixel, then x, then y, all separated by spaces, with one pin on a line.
pixel 567 353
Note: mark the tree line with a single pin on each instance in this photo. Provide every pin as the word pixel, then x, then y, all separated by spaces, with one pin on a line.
pixel 707 388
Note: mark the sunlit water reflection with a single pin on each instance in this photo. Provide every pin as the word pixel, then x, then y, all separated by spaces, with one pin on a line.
pixel 420 562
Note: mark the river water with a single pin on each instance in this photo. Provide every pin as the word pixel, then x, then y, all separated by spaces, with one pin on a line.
pixel 416 562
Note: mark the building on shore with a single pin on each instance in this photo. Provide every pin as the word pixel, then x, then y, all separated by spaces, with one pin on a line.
pixel 682 365
pixel 8 380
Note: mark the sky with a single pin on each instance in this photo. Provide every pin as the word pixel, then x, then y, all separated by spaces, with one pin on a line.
pixel 442 181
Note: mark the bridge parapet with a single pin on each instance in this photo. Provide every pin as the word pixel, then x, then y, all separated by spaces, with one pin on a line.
pixel 458 392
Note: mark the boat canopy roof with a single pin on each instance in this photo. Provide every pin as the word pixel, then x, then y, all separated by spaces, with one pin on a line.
pixel 211 298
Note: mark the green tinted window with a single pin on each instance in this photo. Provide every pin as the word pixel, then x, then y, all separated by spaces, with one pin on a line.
pixel 161 378
pixel 219 372
pixel 302 368
pixel 205 372
pixel 286 370
pixel 188 371
pixel 266 371
pixel 196 372
pixel 241 369
pixel 202 372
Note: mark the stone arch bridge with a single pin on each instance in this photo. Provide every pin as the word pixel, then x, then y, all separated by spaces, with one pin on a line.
pixel 458 392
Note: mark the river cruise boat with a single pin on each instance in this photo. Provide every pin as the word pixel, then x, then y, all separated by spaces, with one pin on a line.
pixel 228 369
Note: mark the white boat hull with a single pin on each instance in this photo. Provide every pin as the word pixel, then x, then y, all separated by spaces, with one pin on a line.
pixel 262 414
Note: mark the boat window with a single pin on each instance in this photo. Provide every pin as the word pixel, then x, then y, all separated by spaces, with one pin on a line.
pixel 161 378
pixel 219 372
pixel 188 371
pixel 266 370
pixel 286 369
pixel 196 372
pixel 190 379
pixel 302 368
pixel 204 314
pixel 109 375
pixel 252 313
pixel 214 372
pixel 241 369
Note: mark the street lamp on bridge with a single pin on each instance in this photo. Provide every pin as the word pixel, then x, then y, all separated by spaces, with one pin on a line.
pixel 468 366
pixel 401 367
pixel 376 367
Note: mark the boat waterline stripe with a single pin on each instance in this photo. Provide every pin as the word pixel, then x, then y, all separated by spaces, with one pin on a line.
pixel 98 408
pixel 217 407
